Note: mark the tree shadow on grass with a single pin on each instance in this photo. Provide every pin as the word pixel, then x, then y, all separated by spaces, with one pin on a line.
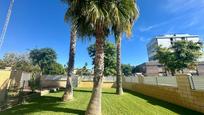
pixel 45 103
pixel 175 108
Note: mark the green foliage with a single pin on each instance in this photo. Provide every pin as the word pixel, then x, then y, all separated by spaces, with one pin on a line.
pixel 2 64
pixel 135 70
pixel 10 59
pixel 127 69
pixel 182 54
pixel 54 69
pixel 17 62
pixel 109 59
pixel 44 58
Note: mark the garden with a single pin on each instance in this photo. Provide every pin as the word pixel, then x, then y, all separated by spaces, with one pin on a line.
pixel 130 103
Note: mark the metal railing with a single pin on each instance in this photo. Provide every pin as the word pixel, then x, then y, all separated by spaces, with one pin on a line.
pixel 197 82
pixel 166 81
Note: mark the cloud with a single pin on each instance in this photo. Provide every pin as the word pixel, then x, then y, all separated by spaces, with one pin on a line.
pixel 185 14
pixel 142 39
pixel 155 26
pixel 180 6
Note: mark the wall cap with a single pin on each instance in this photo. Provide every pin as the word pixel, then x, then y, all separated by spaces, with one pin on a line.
pixel 182 75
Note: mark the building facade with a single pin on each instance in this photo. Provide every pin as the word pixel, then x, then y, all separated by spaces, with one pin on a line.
pixel 166 41
pixel 153 68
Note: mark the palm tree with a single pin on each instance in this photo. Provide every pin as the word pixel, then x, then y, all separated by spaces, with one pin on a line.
pixel 68 93
pixel 124 14
pixel 92 19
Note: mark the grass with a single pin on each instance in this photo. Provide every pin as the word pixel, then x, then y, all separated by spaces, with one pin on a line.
pixel 130 103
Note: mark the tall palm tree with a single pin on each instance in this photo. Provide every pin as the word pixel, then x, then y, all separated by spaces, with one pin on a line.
pixel 92 20
pixel 68 93
pixel 124 14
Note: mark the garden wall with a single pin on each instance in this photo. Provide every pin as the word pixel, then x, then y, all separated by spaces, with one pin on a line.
pixel 182 94
pixel 89 84
pixel 4 80
pixel 52 81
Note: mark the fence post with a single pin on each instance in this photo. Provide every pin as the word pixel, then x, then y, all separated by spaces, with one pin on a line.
pixel 140 79
pixel 157 81
pixel 183 82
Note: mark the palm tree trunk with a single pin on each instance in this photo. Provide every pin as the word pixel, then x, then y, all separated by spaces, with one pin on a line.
pixel 94 107
pixel 68 93
pixel 119 89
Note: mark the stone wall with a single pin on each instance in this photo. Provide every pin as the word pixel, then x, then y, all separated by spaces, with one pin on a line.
pixel 53 83
pixel 182 95
pixel 89 84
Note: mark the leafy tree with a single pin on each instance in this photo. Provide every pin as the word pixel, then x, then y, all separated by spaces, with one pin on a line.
pixel 10 59
pixel 135 69
pixel 54 69
pixel 182 54
pixel 166 57
pixel 43 57
pixel 127 69
pixel 17 62
pixel 186 54
pixel 2 64
pixel 109 59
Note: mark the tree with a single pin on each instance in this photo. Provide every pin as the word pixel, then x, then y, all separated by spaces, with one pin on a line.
pixel 93 19
pixel 182 55
pixel 127 69
pixel 54 69
pixel 109 59
pixel 124 14
pixel 43 57
pixel 69 16
pixel 187 54
pixel 135 70
pixel 2 64
pixel 10 59
pixel 17 61
pixel 166 57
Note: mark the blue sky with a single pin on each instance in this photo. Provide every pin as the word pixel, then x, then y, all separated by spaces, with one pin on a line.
pixel 39 23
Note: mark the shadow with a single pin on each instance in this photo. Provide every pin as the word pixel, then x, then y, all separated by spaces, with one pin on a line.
pixel 175 108
pixel 44 103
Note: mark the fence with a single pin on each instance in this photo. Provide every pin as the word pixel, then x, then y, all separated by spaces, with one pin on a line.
pixel 166 81
pixel 197 83
pixel 181 90
pixel 87 81
pixel 105 79
pixel 132 79
pixel 53 81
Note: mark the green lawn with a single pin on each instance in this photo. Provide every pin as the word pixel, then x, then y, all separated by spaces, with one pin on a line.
pixel 129 104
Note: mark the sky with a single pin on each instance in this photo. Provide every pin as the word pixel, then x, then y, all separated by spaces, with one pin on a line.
pixel 40 24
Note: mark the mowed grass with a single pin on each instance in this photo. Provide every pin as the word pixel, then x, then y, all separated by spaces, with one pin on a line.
pixel 130 103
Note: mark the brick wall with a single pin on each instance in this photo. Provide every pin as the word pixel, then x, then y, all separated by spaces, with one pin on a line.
pixel 182 95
